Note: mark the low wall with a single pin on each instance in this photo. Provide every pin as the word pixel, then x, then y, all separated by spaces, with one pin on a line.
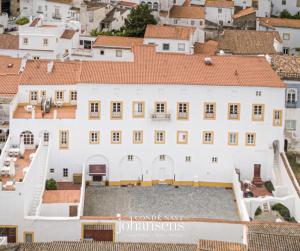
pixel 56 209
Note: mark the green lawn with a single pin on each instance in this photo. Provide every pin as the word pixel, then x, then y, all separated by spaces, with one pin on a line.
pixel 296 167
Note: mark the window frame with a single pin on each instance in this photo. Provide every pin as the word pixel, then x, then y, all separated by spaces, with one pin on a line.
pixel 178 141
pixel 98 102
pixel 186 108
pixel 63 145
pixel 112 137
pixel 258 117
pixel 112 116
pixel 211 142
pixel 25 233
pixel 160 103
pixel 276 119
pixel 236 137
pixel 205 117
pixel 134 141
pixel 155 137
pixel 91 141
pixel 136 114
pixel 254 139
pixel 229 116
pixel 59 98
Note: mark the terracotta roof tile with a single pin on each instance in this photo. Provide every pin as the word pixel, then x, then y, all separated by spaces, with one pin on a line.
pixel 244 12
pixel 9 42
pixel 281 22
pixel 190 12
pixel 68 34
pixel 168 32
pixel 114 41
pixel 219 4
pixel 207 48
pixel 248 42
pixel 211 245
pixel 61 196
pixel 287 67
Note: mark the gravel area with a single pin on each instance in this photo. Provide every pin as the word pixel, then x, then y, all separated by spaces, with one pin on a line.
pixel 161 200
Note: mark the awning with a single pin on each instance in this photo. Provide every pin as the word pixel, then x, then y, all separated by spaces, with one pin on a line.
pixel 97 170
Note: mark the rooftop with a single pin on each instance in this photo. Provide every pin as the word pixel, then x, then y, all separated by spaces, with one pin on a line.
pixel 68 34
pixel 211 245
pixel 161 200
pixel 9 42
pixel 246 42
pixel 208 48
pixel 287 67
pixel 244 12
pixel 219 3
pixel 67 192
pixel 280 22
pixel 169 32
pixel 190 12
pixel 119 42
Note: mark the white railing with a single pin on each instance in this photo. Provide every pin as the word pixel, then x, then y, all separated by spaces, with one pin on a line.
pixel 233 116
pixel 182 115
pixel 4 152
pixel 209 115
pixel 116 115
pixel 161 116
pixel 82 52
pixel 13 106
pixel 38 209
pixel 82 193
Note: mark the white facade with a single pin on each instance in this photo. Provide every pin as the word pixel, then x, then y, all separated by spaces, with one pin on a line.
pixel 264 8
pixel 293 6
pixel 220 16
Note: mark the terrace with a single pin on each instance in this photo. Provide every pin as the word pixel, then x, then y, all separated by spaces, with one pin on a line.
pixel 161 200
pixel 64 112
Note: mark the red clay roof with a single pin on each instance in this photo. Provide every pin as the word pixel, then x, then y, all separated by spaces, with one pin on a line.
pixel 68 34
pixel 114 41
pixel 244 12
pixel 190 12
pixel 150 67
pixel 281 22
pixel 219 4
pixel 9 42
pixel 168 32
pixel 61 196
pixel 207 48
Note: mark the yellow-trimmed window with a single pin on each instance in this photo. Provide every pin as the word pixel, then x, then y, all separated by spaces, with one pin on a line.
pixel 137 137
pixel 138 109
pixel 233 138
pixel 183 110
pixel 73 97
pixel 258 112
pixel 208 137
pixel 250 139
pixel 64 139
pixel 182 137
pixel 209 110
pixel 234 111
pixel 59 95
pixel 160 137
pixel 94 137
pixel 277 117
pixel 28 237
pixel 94 109
pixel 116 137
pixel 116 110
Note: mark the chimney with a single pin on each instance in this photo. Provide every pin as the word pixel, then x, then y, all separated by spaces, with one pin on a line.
pixel 208 61
pixel 50 67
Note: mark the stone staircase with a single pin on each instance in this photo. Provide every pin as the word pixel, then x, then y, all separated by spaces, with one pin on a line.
pixel 280 189
pixel 40 184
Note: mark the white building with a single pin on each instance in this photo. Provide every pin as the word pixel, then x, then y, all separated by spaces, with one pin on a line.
pixel 289 30
pixel 293 6
pixel 219 12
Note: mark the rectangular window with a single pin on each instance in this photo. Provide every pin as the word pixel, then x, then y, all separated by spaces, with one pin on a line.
pixel 65 172
pixel 94 137
pixel 283 2
pixel 25 40
pixel 116 110
pixel 188 158
pixel 64 139
pixel 28 237
pixel 160 137
pixel 137 137
pixel 130 157
pixel 183 110
pixel 166 47
pixel 116 137
pixel 286 50
pixel 46 136
pixel 118 53
pixel 94 110
pixel 233 111
pixel 43 94
pixel 73 97
pixel 181 47
pixel 290 125
pixel 45 41
pixel 138 109
pixel 214 159
pixel 162 157
pixel 219 10
pixel 277 118
pixel 233 138
pixel 258 111
pixel 51 170
pixel 286 36
pixel 182 137
pixel 33 97
pixel 59 96
pixel 208 137
pixel 160 107
pixel 209 110
pixel 250 139
pixel 258 93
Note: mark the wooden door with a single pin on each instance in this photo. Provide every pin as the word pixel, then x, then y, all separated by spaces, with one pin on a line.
pixel 257 168
pixel 99 235
pixel 10 233
pixel 73 211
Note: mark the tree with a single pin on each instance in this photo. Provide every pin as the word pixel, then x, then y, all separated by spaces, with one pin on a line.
pixel 137 20
pixel 285 14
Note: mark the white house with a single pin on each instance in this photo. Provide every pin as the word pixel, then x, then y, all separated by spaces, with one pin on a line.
pixel 293 6
pixel 289 30
pixel 219 12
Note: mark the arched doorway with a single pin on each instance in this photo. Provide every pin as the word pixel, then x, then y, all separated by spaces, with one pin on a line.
pixel 131 168
pixel 163 169
pixel 27 139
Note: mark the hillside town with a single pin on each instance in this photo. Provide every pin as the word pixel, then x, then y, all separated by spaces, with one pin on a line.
pixel 158 125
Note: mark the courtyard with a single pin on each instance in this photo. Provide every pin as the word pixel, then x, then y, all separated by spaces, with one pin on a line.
pixel 161 200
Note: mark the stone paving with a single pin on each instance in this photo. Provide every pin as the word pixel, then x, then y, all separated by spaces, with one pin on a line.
pixel 161 200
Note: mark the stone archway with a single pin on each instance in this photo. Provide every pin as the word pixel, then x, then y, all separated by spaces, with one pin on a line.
pixel 163 169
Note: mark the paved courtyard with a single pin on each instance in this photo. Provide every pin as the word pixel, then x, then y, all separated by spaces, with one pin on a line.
pixel 163 201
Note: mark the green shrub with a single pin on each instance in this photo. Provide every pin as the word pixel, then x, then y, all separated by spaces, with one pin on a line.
pixel 269 186
pixel 285 14
pixel 258 211
pixel 283 211
pixel 22 21
pixel 51 184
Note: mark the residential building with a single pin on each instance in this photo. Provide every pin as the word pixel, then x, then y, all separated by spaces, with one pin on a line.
pixel 288 30
pixel 263 7
pixel 245 19
pixel 293 6
pixel 246 42
pixel 288 68
pixel 219 12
